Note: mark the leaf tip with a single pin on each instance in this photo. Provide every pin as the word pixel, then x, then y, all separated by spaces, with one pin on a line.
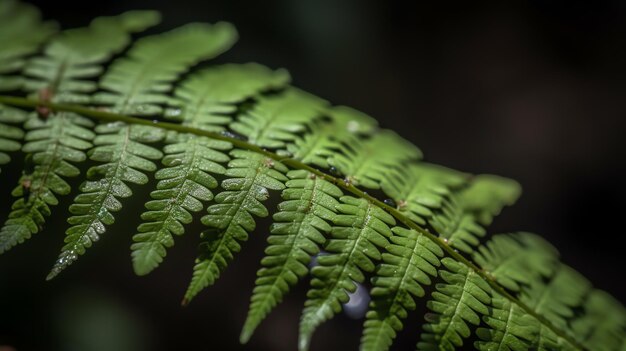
pixel 245 335
pixel 141 270
pixel 53 273
pixel 303 343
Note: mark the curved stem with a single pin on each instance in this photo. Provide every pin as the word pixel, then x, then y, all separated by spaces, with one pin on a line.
pixel 294 164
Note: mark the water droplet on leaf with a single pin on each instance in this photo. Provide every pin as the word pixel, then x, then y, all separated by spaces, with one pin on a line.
pixel 390 203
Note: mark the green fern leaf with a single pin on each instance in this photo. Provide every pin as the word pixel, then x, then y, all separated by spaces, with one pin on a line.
pixel 186 179
pixel 461 298
pixel 374 162
pixel 515 259
pixel 208 97
pixel 459 228
pixel 556 301
pixel 297 234
pixel 361 230
pixel 10 135
pixel 508 327
pixel 92 209
pixel 276 120
pixel 526 260
pixel 409 261
pixel 249 176
pixel 602 325
pixel 464 295
pixel 54 144
pixel 183 184
pixel 328 137
pixel 76 55
pixel 461 219
pixel 56 140
pixel 137 83
pixel 243 127
pixel 487 195
pixel 22 33
pixel 420 188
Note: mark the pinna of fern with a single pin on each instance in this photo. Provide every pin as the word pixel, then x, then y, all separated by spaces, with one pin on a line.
pixel 221 139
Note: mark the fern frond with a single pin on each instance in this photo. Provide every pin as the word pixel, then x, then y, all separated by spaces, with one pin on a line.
pixel 250 176
pixel 22 33
pixel 243 127
pixel 461 299
pixel 407 265
pixel 345 127
pixel 189 161
pixel 373 162
pixel 137 84
pixel 275 121
pixel 296 235
pixel 360 231
pixel 56 140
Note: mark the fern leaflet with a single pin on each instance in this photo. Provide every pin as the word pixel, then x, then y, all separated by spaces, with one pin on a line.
pixel 359 231
pixel 190 160
pixel 22 33
pixel 296 235
pixel 10 135
pixel 137 84
pixel 329 136
pixel 275 120
pixel 461 298
pixel 57 141
pixel 374 161
pixel 411 259
pixel 249 176
pixel 421 188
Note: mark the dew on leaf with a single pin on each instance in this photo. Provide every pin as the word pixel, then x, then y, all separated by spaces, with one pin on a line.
pixel 334 171
pixel 390 203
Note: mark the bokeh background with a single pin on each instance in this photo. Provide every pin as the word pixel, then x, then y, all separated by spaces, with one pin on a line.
pixel 532 90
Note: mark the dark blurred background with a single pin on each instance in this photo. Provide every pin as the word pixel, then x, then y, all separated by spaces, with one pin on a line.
pixel 531 90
